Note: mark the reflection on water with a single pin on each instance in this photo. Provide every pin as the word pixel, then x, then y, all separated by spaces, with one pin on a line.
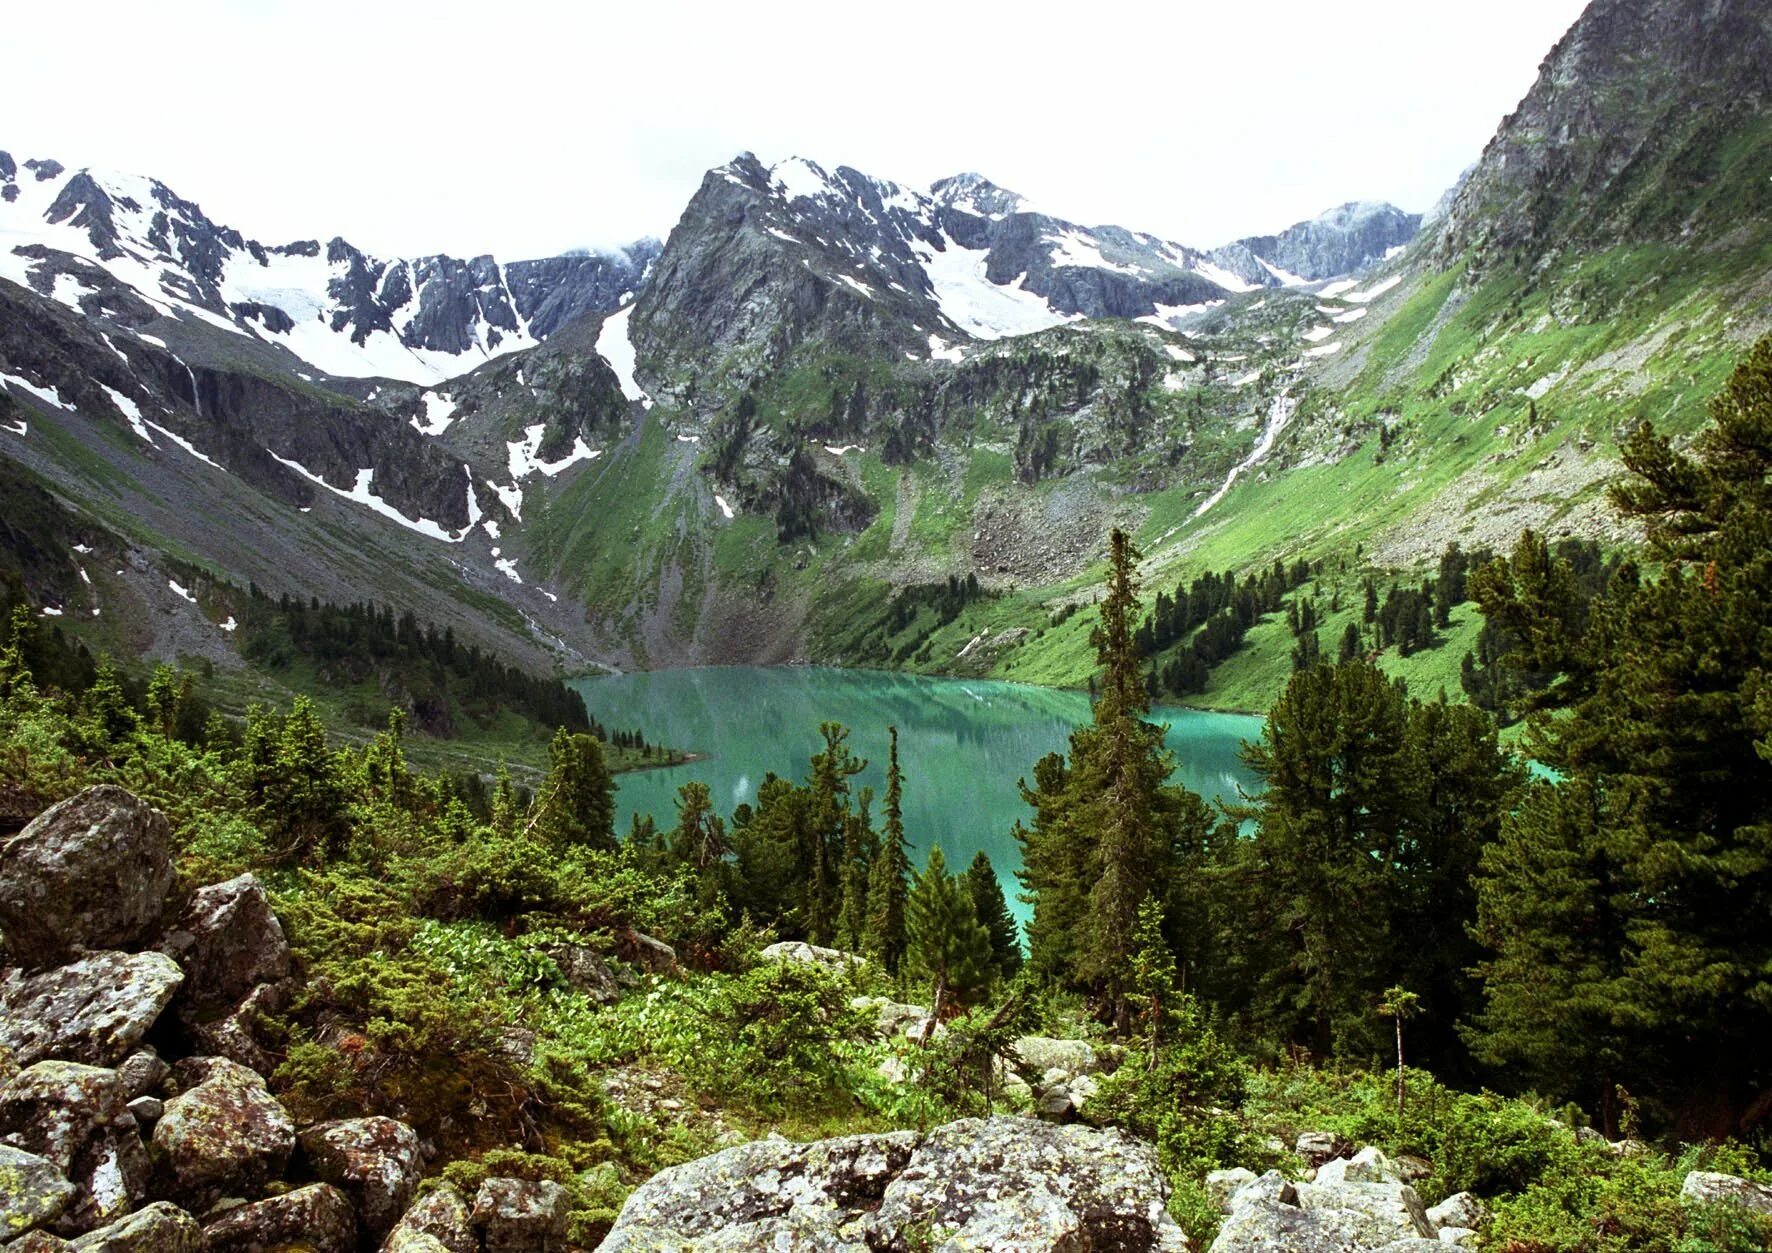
pixel 963 744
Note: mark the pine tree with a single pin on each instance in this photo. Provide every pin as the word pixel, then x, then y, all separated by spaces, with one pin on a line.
pixel 889 876
pixel 699 838
pixel 1658 842
pixel 576 805
pixel 946 945
pixel 993 911
pixel 1153 973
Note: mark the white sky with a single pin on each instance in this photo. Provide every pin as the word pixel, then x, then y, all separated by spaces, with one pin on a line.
pixel 523 128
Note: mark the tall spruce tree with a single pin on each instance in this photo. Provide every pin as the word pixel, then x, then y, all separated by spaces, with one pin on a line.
pixel 889 878
pixel 576 805
pixel 946 945
pixel 993 911
pixel 1647 870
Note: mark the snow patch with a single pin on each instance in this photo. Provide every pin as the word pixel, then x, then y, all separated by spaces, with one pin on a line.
pixel 362 493
pixel 48 395
pixel 614 346
pixel 724 507
pixel 439 413
pixel 969 299
pixel 1373 292
pixel 180 590
pixel 130 410
pixel 1323 350
pixel 230 626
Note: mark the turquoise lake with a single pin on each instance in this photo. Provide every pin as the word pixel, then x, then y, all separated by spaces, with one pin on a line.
pixel 963 744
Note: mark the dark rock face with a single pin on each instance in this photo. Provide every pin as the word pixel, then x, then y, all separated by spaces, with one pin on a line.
pixel 1628 122
pixel 77 1117
pixel 375 1161
pixel 94 1010
pixel 90 873
pixel 994 1183
pixel 317 1219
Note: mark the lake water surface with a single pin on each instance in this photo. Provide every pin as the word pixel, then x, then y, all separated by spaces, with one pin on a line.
pixel 962 743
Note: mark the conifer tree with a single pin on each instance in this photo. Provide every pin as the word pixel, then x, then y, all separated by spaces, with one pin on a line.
pixel 946 945
pixel 993 911
pixel 889 876
pixel 1646 872
pixel 576 805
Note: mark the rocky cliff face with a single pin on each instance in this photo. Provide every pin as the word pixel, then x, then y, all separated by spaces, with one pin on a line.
pixel 1634 130
pixel 1349 239
pixel 130 246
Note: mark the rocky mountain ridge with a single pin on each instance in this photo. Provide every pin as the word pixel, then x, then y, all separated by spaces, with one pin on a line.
pixel 130 248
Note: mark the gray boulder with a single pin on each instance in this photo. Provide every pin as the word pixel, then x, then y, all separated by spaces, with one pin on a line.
pixel 314 1219
pixel 520 1216
pixel 585 971
pixel 38 1242
pixel 32 1192
pixel 76 1118
pixel 440 1220
pixel 1037 1055
pixel 1392 1211
pixel 223 1136
pixel 235 1033
pixel 1463 1237
pixel 1223 1185
pixel 1461 1209
pixel 1413 1244
pixel 834 960
pixel 94 1010
pixel 1317 1147
pixel 997 1183
pixel 1706 1187
pixel 652 955
pixel 1369 1165
pixel 92 872
pixel 156 1228
pixel 892 1019
pixel 228 942
pixel 142 1073
pixel 375 1161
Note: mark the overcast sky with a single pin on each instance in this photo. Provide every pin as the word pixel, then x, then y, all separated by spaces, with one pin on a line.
pixel 524 129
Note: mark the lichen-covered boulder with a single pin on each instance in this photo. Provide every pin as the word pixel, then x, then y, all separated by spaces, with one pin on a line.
pixel 223 1136
pixel 585 971
pixel 647 952
pixel 157 1228
pixel 1707 1187
pixel 892 1019
pixel 1222 1185
pixel 32 1192
pixel 93 1010
pixel 314 1219
pixel 374 1161
pixel 996 1183
pixel 520 1215
pixel 1391 1210
pixel 440 1222
pixel 1039 1055
pixel 76 1118
pixel 228 942
pixel 39 1241
pixel 834 960
pixel 1369 1165
pixel 1264 1225
pixel 92 872
pixel 1461 1209
pixel 1317 1147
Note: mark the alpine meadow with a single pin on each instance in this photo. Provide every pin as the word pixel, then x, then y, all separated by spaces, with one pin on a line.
pixel 883 719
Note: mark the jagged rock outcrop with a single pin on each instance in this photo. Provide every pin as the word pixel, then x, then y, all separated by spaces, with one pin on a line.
pixel 92 872
pixel 1354 1205
pixel 93 1010
pixel 1348 239
pixel 439 1222
pixel 228 942
pixel 977 1183
pixel 1630 119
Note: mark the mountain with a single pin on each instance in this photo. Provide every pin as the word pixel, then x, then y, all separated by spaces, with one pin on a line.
pixel 781 433
pixel 1347 240
pixel 131 248
pixel 1647 121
